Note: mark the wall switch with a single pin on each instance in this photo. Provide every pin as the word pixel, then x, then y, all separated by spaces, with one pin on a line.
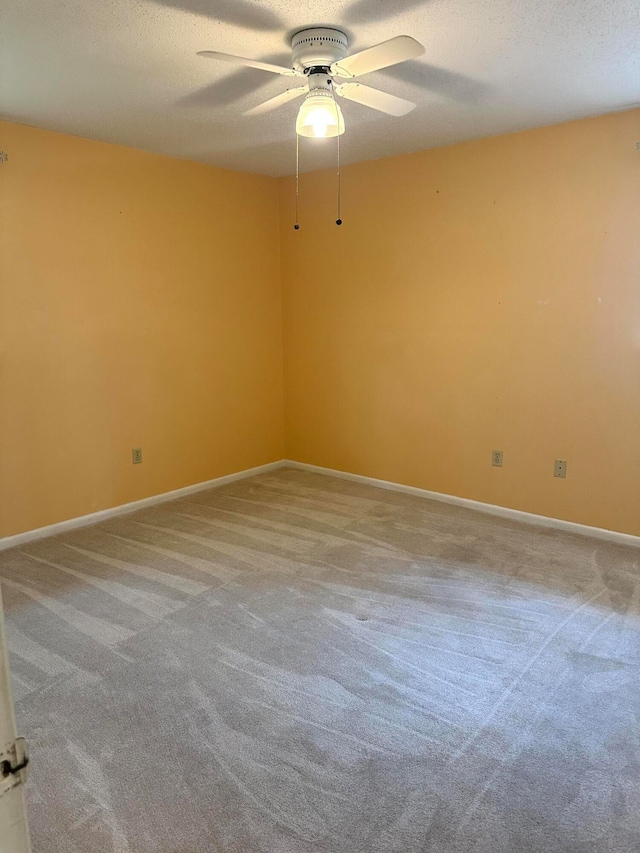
pixel 496 458
pixel 136 455
pixel 560 468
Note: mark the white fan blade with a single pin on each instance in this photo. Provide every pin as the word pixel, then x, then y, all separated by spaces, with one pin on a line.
pixel 398 49
pixel 277 101
pixel 374 98
pixel 251 63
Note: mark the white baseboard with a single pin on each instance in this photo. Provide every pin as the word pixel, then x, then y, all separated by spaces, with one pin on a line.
pixel 489 509
pixel 104 514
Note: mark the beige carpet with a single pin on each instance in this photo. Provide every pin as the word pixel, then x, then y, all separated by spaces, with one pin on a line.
pixel 296 663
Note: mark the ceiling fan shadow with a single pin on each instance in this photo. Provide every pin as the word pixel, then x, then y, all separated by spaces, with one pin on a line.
pixel 240 13
pixel 365 11
pixel 233 87
pixel 449 84
pixel 224 92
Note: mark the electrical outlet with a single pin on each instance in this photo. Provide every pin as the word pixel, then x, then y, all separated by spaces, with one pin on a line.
pixel 560 468
pixel 136 455
pixel 496 458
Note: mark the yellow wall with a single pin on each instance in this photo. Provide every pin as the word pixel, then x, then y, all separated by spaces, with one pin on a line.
pixel 481 296
pixel 139 306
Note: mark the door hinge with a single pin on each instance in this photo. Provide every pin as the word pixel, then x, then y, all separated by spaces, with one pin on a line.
pixel 14 758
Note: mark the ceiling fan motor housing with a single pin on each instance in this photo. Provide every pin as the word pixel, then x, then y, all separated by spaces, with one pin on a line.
pixel 318 47
pixel 319 79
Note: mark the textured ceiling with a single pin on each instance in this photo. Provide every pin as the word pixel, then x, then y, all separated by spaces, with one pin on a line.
pixel 126 71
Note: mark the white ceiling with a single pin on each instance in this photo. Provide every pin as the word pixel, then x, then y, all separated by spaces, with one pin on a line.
pixel 126 71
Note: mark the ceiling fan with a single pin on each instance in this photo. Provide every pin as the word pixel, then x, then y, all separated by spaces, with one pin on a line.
pixel 319 56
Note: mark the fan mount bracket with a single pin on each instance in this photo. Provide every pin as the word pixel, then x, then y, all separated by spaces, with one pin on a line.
pixel 318 47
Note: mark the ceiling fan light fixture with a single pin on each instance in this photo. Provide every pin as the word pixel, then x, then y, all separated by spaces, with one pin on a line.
pixel 320 116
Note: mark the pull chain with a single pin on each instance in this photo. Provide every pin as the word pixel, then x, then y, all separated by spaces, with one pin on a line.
pixel 297 225
pixel 338 220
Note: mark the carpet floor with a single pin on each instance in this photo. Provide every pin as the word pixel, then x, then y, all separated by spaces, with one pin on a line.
pixel 300 664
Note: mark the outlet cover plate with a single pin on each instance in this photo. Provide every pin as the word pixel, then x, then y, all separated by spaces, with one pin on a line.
pixel 496 458
pixel 136 455
pixel 560 468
